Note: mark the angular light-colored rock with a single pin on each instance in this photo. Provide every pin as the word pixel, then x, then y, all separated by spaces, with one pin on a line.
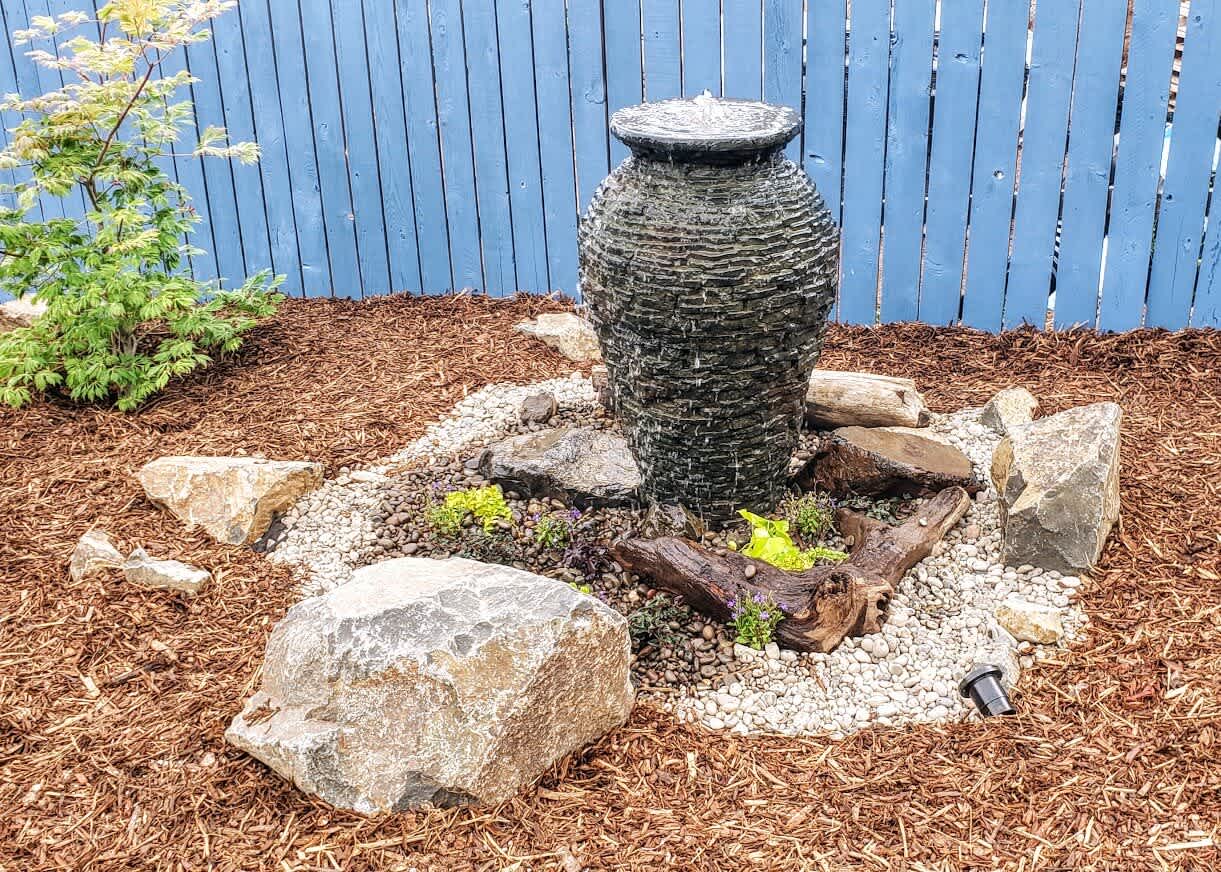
pixel 568 334
pixel 1058 481
pixel 20 313
pixel 94 553
pixel 863 399
pixel 1009 408
pixel 164 574
pixel 879 461
pixel 233 498
pixel 1030 622
pixel 590 467
pixel 442 681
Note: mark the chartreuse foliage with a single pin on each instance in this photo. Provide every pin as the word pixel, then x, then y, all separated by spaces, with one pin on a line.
pixel 770 542
pixel 487 504
pixel 123 316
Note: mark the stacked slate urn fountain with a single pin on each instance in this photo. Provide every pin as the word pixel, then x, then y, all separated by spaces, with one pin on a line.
pixel 708 261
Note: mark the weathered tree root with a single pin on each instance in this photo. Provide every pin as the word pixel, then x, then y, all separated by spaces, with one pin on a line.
pixel 822 605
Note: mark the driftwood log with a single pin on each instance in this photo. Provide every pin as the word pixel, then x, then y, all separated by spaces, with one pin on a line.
pixel 822 605
pixel 863 399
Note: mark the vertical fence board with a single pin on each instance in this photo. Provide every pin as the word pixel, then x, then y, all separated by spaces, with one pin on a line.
pixel 911 68
pixel 663 74
pixel 204 265
pixel 782 60
pixel 76 204
pixel 233 83
pixel 1043 149
pixel 1206 312
pixel 744 48
pixel 953 145
pixel 217 173
pixel 273 165
pixel 293 86
pixel 326 114
pixel 33 79
pixel 822 134
pixel 1091 142
pixel 1000 106
pixel 864 154
pixel 360 148
pixel 1138 162
pixel 701 46
pixel 453 114
pixel 521 144
pixel 394 154
pixel 491 167
pixel 1193 142
pixel 12 83
pixel 427 184
pixel 624 75
pixel 555 141
pixel 589 122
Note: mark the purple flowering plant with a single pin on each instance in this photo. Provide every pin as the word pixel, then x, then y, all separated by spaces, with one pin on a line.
pixel 754 618
pixel 555 529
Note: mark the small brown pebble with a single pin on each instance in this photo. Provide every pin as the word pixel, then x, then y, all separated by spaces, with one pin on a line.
pixel 749 571
pixel 709 632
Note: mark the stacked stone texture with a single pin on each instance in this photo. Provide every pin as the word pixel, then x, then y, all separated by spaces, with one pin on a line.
pixel 709 275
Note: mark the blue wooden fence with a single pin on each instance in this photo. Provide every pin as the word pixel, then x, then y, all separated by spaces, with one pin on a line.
pixel 988 162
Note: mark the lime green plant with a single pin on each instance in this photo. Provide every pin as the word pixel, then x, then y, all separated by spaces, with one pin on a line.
pixel 122 315
pixel 487 504
pixel 770 542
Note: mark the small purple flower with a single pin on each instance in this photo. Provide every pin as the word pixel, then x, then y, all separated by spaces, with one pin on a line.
pixel 758 598
pixel 733 602
pixel 535 517
pixel 574 514
pixel 765 616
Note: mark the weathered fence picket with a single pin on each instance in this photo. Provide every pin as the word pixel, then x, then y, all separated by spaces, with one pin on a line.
pixel 991 162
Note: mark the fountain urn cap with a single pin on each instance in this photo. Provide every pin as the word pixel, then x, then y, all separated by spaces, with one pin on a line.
pixel 705 129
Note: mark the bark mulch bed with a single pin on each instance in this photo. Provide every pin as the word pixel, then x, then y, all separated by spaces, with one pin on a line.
pixel 113 701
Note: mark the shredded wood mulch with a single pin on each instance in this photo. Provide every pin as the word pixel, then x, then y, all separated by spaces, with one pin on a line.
pixel 113 701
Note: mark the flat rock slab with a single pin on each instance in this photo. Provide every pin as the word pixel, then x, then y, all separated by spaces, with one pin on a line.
pixel 568 334
pixel 233 498
pixel 1058 481
pixel 862 399
pixel 142 570
pixel 581 465
pixel 435 681
pixel 875 461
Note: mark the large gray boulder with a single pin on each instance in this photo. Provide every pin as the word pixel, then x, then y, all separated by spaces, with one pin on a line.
pixel 1058 481
pixel 233 498
pixel 441 681
pixel 586 466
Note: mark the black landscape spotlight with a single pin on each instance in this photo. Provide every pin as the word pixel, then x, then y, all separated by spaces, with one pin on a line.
pixel 983 685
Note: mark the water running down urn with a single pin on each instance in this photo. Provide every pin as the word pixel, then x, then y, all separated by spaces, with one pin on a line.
pixel 709 261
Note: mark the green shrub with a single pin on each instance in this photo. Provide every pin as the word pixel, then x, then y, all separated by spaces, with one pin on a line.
pixel 812 515
pixel 123 317
pixel 445 520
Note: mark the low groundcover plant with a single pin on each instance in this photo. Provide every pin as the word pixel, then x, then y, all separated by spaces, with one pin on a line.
pixel 123 316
